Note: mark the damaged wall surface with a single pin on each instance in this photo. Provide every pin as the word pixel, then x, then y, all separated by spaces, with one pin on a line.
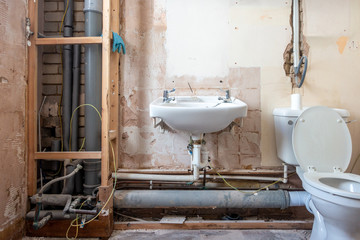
pixel 236 45
pixel 12 117
pixel 210 45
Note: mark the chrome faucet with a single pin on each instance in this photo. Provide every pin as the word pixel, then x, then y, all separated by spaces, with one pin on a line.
pixel 166 95
pixel 227 98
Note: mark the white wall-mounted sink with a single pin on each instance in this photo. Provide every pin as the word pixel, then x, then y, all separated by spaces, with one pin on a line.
pixel 197 115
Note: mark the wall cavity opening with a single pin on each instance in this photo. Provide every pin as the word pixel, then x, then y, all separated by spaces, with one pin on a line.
pixel 289 50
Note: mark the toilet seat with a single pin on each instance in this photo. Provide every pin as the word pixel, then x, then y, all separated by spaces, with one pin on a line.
pixel 322 147
pixel 341 184
pixel 321 141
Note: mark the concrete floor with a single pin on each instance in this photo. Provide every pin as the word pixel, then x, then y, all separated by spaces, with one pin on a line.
pixel 202 235
pixel 212 234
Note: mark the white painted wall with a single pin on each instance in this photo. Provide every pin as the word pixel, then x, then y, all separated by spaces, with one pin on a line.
pixel 332 30
pixel 197 38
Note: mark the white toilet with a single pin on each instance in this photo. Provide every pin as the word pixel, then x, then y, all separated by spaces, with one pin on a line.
pixel 318 142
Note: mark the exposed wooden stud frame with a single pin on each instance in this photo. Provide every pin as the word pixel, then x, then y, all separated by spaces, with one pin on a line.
pixel 97 228
pixel 110 62
pixel 114 87
pixel 32 99
pixel 67 155
pixel 109 104
pixel 68 40
pixel 105 94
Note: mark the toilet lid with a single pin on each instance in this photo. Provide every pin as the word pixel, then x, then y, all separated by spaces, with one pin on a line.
pixel 321 141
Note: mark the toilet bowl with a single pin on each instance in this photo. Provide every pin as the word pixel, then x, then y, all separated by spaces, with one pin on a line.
pixel 321 149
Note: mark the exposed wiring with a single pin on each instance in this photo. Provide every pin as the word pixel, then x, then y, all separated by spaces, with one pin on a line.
pixel 55 174
pixel 63 17
pixel 72 115
pixel 114 161
pixel 62 90
pixel 77 227
pixel 111 194
pixel 247 192
pixel 82 144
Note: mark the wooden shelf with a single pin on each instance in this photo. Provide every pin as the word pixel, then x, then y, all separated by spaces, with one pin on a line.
pixel 68 40
pixel 67 155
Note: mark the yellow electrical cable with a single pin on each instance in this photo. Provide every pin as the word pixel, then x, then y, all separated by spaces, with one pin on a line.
pixel 82 145
pixel 72 115
pixel 112 192
pixel 67 231
pixel 63 17
pixel 61 96
pixel 52 175
pixel 247 192
pixel 77 228
pixel 113 154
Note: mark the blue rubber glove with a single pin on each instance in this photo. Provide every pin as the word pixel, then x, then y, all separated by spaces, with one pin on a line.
pixel 118 43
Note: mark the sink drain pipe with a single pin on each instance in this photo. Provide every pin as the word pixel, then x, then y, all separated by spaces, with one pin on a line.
pixel 205 199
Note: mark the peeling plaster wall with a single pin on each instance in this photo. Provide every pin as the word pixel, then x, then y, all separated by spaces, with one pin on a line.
pixel 211 44
pixel 235 44
pixel 12 117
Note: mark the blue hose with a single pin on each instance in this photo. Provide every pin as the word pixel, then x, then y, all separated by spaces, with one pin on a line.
pixel 297 70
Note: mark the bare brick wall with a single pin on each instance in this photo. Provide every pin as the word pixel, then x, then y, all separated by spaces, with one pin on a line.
pixel 51 77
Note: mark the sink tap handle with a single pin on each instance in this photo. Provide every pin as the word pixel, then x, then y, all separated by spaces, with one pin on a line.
pixel 166 95
pixel 227 97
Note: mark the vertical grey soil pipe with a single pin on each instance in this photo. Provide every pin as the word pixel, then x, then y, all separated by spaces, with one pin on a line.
pixel 56 147
pixel 93 27
pixel 78 188
pixel 67 74
pixel 75 97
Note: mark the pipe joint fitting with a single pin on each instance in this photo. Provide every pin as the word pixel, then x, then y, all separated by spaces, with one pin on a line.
pixel 93 6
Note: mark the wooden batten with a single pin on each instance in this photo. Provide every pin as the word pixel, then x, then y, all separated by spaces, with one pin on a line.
pixel 68 40
pixel 32 99
pixel 67 155
pixel 105 94
pixel 97 228
pixel 198 225
pixel 114 88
